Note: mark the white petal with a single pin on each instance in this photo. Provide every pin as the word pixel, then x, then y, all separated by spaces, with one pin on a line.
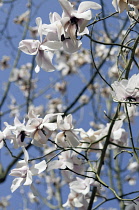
pixel 66 6
pixel 29 46
pixel 56 164
pixel 28 178
pixel 50 126
pixel 37 69
pixel 70 46
pixel 72 138
pixel 17 182
pixel 26 156
pixel 51 45
pixel 88 5
pixel 87 15
pixel 1 144
pixel 77 203
pixel 39 167
pixel 43 60
pixel 39 24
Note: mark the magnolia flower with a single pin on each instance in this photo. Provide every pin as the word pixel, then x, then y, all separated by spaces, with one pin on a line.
pixel 5 134
pixel 55 32
pixel 39 48
pixel 40 129
pixel 68 130
pixel 19 132
pixel 81 185
pixel 89 138
pixel 121 5
pixel 77 200
pixel 24 173
pixel 75 21
pixel 126 90
pixel 67 160
pixel 118 134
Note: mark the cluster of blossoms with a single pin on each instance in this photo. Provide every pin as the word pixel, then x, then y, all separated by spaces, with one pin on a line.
pixel 62 36
pixel 61 33
pixel 39 130
pixel 131 6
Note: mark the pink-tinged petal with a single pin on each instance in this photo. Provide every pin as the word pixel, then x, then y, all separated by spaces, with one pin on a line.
pixel 28 178
pixel 67 7
pixel 29 46
pixel 44 61
pixel 17 182
pixel 39 167
pixel 70 46
pixel 88 5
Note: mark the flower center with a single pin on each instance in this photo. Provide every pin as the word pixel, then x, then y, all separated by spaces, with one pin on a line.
pixel 74 20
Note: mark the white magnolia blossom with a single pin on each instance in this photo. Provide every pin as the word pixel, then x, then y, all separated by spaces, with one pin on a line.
pixel 118 134
pixel 67 159
pixel 89 138
pixel 121 5
pixel 24 172
pixel 5 134
pixel 81 185
pixel 75 21
pixel 69 132
pixel 40 129
pixel 19 133
pixel 126 90
pixel 43 49
pixel 55 31
pixel 77 200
